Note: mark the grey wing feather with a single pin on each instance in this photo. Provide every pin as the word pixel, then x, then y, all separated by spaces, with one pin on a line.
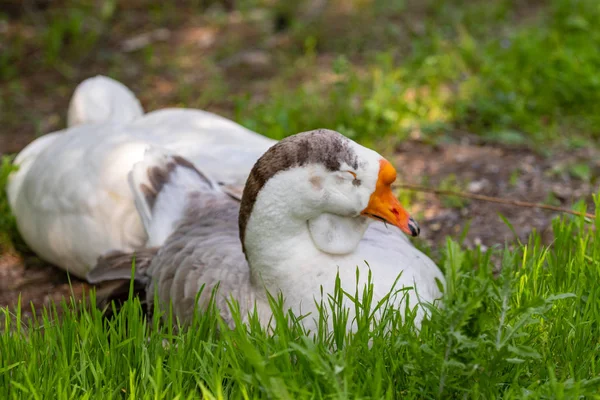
pixel 113 273
pixel 203 253
pixel 118 265
pixel 160 184
pixel 235 191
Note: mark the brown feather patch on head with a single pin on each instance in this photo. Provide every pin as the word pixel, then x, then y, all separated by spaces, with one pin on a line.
pixel 322 146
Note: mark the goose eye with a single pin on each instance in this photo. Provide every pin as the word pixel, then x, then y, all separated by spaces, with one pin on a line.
pixel 354 178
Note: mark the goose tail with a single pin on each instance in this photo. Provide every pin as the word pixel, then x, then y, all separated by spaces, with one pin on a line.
pixel 162 184
pixel 102 99
pixel 113 273
pixel 118 265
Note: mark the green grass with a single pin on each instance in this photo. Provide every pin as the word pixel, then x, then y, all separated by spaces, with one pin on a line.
pixel 8 226
pixel 474 67
pixel 541 80
pixel 531 332
pixel 65 32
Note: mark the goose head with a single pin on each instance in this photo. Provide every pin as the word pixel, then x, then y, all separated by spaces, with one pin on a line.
pixel 317 190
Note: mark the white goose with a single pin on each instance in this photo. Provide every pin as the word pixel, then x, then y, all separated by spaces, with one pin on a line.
pixel 70 194
pixel 305 216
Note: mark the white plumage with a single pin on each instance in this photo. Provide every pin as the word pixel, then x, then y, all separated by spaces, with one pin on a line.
pixel 70 194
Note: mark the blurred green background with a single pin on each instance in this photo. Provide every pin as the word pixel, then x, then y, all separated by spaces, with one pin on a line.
pixel 516 72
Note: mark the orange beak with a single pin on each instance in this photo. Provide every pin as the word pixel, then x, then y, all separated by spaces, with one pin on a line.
pixel 384 206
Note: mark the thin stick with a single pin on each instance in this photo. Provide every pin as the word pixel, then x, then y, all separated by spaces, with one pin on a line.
pixel 491 199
